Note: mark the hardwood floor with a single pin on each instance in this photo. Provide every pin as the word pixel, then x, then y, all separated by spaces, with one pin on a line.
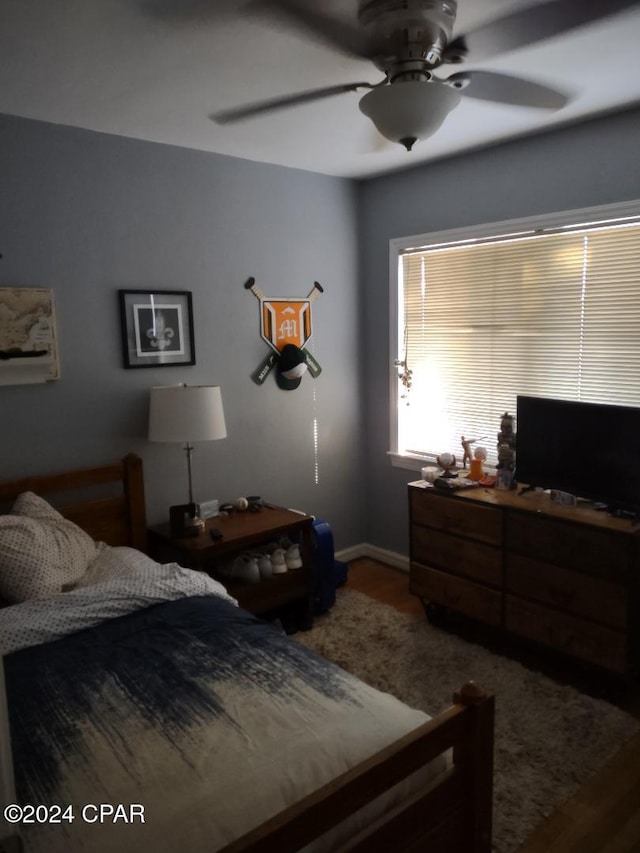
pixel 604 816
pixel 384 583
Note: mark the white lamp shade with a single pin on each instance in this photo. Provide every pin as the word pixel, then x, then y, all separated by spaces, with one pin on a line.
pixel 186 413
pixel 410 109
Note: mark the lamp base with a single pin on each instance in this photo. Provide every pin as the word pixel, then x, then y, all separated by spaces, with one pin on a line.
pixel 185 520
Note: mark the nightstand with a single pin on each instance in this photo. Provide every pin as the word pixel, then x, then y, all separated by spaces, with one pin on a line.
pixel 290 593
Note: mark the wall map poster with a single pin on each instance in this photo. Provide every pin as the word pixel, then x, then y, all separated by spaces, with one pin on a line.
pixel 28 339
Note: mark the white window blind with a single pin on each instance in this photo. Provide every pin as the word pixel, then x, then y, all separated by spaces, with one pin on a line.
pixel 554 312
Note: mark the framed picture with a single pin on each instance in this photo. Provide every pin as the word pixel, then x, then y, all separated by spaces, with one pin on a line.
pixel 157 328
pixel 28 337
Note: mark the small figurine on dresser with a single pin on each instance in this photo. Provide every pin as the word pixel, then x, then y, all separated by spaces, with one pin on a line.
pixel 506 453
pixel 466 447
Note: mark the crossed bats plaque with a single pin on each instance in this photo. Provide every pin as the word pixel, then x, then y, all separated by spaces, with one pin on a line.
pixel 284 320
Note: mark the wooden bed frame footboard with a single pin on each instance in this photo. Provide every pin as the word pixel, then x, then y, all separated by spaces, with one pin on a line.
pixel 117 519
pixel 452 814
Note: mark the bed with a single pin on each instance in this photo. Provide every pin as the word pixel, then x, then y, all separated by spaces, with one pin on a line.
pixel 144 690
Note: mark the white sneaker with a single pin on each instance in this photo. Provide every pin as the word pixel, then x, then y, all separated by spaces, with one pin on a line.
pixel 245 568
pixel 264 566
pixel 293 558
pixel 278 563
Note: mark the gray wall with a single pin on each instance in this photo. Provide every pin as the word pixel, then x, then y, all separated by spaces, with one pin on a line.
pixel 594 163
pixel 87 214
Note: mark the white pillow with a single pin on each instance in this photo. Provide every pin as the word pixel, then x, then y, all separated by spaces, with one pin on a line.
pixel 41 552
pixel 115 563
pixel 33 506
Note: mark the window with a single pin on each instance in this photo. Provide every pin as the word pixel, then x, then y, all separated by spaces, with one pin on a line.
pixel 548 307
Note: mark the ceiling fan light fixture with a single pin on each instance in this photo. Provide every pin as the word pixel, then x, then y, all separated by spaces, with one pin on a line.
pixel 409 110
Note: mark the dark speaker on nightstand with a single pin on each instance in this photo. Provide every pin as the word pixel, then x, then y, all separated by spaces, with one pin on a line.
pixel 185 520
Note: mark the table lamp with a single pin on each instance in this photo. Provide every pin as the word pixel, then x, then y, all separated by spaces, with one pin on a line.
pixel 186 414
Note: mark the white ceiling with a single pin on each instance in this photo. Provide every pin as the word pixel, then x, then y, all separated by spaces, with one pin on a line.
pixel 111 66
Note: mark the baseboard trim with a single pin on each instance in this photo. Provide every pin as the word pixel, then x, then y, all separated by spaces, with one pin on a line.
pixel 373 552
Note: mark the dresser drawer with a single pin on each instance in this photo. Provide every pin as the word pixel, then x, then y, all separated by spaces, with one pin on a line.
pixel 475 560
pixel 456 515
pixel 601 553
pixel 461 595
pixel 582 595
pixel 593 643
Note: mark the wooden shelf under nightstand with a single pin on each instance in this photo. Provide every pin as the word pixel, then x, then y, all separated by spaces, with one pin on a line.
pixel 245 532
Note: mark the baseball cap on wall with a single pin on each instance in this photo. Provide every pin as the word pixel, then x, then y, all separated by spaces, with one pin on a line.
pixel 291 367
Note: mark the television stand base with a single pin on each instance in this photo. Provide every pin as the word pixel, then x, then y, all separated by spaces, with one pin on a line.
pixel 525 489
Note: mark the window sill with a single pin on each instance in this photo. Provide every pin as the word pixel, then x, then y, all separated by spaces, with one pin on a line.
pixel 410 463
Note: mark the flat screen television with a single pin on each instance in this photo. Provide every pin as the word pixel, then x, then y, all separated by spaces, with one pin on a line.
pixel 590 450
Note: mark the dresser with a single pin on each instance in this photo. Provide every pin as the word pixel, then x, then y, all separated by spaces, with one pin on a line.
pixel 566 578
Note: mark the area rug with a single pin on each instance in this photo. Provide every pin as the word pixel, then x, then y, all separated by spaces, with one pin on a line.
pixel 550 738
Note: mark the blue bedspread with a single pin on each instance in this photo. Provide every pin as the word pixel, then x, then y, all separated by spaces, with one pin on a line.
pixel 167 660
pixel 207 718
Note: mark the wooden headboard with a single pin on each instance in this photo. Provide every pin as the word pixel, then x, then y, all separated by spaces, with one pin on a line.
pixel 117 519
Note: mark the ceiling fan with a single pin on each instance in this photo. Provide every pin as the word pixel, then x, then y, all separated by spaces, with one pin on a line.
pixel 411 42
